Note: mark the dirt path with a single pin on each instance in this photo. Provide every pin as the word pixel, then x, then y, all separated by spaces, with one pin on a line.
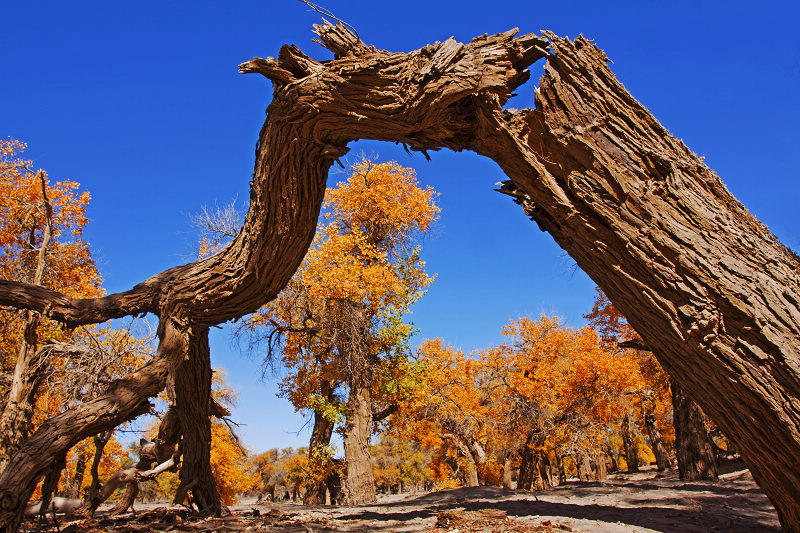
pixel 640 502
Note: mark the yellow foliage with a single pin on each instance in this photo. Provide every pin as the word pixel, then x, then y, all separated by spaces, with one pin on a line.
pixel 229 464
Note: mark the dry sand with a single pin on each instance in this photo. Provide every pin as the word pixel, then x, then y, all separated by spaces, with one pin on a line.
pixel 637 502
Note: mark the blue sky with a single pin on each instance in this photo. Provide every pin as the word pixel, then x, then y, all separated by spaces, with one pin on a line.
pixel 142 104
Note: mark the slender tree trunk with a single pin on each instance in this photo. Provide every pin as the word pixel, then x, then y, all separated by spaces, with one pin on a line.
pixel 359 481
pixel 77 479
pixel 692 443
pixel 614 461
pixel 562 470
pixel 656 444
pixel 93 495
pixel 584 467
pixel 507 473
pixel 17 415
pixel 630 444
pixel 50 484
pixel 320 439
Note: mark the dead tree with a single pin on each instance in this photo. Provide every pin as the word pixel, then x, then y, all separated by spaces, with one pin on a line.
pixel 710 289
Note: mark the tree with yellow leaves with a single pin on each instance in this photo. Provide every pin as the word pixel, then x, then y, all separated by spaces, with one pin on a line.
pixel 40 243
pixel 339 325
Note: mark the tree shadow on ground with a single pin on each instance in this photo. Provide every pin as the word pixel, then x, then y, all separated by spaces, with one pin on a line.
pixel 713 512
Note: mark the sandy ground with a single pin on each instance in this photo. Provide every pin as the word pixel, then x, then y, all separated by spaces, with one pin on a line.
pixel 637 502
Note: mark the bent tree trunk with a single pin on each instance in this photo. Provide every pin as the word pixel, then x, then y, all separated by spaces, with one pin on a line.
pixel 706 285
pixel 692 444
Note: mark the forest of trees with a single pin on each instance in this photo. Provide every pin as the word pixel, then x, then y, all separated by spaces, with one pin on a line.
pixel 549 403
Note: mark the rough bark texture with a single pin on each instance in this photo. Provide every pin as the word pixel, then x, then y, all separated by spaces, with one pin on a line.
pixel 17 413
pixel 359 482
pixel 599 469
pixel 124 400
pixel 320 439
pixel 692 444
pixel 704 283
pixel 630 445
pixel 656 443
pixel 192 392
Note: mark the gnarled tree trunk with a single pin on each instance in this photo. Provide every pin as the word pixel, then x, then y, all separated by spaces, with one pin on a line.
pixel 192 392
pixel 706 285
pixel 693 447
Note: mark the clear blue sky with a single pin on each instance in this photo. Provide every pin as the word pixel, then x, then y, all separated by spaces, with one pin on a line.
pixel 141 103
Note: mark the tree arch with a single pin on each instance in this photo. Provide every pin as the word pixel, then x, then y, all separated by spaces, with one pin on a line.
pixel 707 286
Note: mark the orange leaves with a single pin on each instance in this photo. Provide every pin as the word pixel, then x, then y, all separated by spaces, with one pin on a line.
pixel 23 214
pixel 229 464
pixel 364 267
pixel 381 201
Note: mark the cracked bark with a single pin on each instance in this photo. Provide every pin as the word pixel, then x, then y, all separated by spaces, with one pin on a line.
pixel 693 446
pixel 706 285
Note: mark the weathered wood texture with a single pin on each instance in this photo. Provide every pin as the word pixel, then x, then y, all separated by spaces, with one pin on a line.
pixel 124 400
pixel 693 446
pixel 704 283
